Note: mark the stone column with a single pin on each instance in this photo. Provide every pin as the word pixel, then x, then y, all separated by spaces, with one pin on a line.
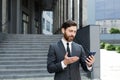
pixel 14 16
pixel 56 17
pixel 64 10
pixel 4 16
pixel 18 16
pixel 84 13
pixel 75 11
pixel 32 16
pixel 12 6
pixel 69 9
pixel 0 15
pixel 61 12
pixel 80 14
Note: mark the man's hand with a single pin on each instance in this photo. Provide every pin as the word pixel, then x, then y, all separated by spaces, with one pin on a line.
pixel 90 60
pixel 68 60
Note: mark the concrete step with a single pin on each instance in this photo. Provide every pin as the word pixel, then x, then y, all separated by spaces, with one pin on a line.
pixel 34 76
pixel 22 58
pixel 22 62
pixel 25 46
pixel 25 56
pixel 29 41
pixel 28 74
pixel 33 36
pixel 23 66
pixel 24 49
pixel 22 70
pixel 42 53
pixel 24 43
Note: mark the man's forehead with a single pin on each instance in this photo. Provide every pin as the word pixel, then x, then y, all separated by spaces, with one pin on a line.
pixel 72 27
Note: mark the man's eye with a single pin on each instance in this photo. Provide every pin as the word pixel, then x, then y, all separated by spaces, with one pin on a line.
pixel 75 31
pixel 70 31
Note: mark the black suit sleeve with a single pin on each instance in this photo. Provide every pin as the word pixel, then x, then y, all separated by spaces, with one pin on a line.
pixel 52 64
pixel 82 59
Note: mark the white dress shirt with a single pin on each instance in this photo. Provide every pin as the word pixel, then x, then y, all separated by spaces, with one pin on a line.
pixel 65 45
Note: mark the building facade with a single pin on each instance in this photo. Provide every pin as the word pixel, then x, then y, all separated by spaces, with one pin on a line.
pixel 107 14
pixel 26 17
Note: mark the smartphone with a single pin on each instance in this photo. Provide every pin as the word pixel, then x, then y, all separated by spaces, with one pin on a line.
pixel 89 54
pixel 92 53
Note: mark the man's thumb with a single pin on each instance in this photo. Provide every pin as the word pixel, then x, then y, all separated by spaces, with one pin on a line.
pixel 66 54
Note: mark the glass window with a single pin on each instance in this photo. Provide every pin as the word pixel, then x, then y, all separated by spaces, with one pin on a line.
pixel 105 30
pixel 49 13
pixel 25 22
pixel 102 30
pixel 48 26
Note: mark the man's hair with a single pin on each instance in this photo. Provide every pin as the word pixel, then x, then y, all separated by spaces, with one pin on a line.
pixel 68 23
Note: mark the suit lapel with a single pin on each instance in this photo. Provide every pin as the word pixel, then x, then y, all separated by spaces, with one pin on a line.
pixel 61 46
pixel 73 49
pixel 72 53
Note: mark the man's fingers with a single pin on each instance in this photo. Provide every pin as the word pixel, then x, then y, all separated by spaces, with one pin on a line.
pixel 88 63
pixel 88 60
pixel 71 59
pixel 91 57
pixel 66 55
pixel 74 59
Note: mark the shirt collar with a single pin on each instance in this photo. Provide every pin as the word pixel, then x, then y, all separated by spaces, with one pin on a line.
pixel 65 44
pixel 64 41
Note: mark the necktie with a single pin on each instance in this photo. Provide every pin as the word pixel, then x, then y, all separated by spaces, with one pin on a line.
pixel 68 50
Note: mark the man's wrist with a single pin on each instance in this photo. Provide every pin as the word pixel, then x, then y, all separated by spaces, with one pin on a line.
pixel 63 64
pixel 89 67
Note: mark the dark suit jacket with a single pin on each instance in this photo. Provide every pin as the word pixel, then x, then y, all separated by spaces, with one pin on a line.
pixel 56 54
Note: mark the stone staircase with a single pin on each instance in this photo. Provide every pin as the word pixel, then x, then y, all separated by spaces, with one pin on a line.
pixel 24 56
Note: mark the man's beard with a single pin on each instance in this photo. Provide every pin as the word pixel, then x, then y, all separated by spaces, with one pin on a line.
pixel 68 38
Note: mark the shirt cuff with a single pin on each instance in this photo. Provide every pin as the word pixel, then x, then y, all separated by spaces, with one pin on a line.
pixel 63 65
pixel 89 68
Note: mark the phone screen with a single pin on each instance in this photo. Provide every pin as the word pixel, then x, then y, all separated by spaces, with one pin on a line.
pixel 92 53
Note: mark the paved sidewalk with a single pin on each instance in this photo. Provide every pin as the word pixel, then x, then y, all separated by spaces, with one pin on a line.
pixel 110 65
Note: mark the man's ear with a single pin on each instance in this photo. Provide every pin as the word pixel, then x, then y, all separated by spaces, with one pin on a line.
pixel 63 30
